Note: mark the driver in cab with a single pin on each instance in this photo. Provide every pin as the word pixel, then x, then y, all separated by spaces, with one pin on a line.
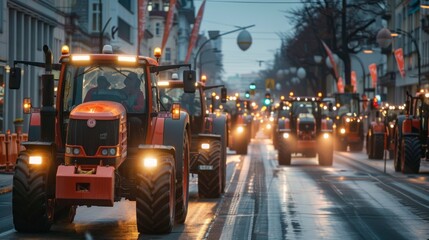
pixel 135 99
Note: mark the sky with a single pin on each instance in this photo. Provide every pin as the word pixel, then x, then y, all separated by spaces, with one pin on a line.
pixel 269 18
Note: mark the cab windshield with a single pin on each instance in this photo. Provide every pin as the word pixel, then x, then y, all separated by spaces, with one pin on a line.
pixel 190 102
pixel 125 85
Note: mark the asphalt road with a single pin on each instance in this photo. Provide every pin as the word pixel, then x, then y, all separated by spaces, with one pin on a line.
pixel 353 199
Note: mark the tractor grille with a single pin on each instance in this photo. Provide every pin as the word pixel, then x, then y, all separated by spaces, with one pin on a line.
pixel 306 127
pixel 105 133
pixel 353 126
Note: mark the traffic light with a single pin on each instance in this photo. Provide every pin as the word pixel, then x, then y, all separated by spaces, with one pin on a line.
pixel 374 103
pixel 247 94
pixel 267 99
pixel 252 86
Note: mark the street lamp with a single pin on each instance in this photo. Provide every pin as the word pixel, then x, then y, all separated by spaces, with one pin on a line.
pixel 384 41
pixel 214 38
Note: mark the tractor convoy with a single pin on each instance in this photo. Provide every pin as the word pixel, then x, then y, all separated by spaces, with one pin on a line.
pixel 113 130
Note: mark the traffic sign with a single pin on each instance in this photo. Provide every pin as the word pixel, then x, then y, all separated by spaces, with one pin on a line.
pixel 269 83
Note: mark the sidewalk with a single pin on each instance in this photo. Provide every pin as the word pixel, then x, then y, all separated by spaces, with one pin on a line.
pixel 6 182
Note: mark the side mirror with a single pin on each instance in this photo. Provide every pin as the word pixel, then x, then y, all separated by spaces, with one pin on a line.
pixel 189 80
pixel 15 78
pixel 223 95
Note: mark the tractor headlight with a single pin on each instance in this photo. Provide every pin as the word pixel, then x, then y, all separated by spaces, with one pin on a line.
pixel 342 130
pixel 35 160
pixel 205 146
pixel 240 129
pixel 392 125
pixel 104 152
pixel 150 162
pixel 112 151
pixel 76 151
pixel 285 135
pixel 326 135
pixel 68 150
pixel 268 126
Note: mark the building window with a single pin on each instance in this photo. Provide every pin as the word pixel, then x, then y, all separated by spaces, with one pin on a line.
pixel 157 29
pixel 126 4
pixel 168 54
pixel 124 30
pixel 95 17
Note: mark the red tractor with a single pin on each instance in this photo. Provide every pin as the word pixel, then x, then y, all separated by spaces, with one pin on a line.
pixel 306 131
pixel 411 134
pixel 94 150
pixel 209 133
pixel 380 131
pixel 349 130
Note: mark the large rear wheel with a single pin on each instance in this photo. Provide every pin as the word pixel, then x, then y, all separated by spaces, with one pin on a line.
pixel 284 152
pixel 30 203
pixel 398 151
pixel 378 146
pixel 210 171
pixel 182 188
pixel 412 155
pixel 155 197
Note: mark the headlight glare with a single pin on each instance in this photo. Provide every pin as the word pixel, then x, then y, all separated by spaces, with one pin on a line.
pixel 150 162
pixel 35 160
pixel 285 135
pixel 205 146
pixel 342 130
pixel 326 135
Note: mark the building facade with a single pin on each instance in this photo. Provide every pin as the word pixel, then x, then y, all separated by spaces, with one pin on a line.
pixel 85 26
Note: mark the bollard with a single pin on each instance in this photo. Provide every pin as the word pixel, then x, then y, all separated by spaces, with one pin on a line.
pixel 6 143
pixel 2 151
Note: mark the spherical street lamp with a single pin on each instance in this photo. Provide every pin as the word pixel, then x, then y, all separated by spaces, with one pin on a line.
pixel 301 73
pixel 384 37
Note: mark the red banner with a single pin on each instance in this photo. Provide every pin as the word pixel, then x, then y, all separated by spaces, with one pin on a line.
pixel 195 31
pixel 142 6
pixel 353 78
pixel 340 85
pixel 168 23
pixel 373 72
pixel 399 56
pixel 331 59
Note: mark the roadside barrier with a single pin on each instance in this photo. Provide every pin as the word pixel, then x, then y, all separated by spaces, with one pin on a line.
pixel 10 146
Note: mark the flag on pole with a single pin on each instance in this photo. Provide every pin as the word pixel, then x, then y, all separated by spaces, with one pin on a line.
pixel 168 23
pixel 331 59
pixel 195 31
pixel 353 78
pixel 141 23
pixel 373 72
pixel 340 85
pixel 399 56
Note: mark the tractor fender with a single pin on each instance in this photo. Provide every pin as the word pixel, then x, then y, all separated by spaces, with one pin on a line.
pixel 220 127
pixel 174 133
pixel 411 125
pixel 327 125
pixel 377 127
pixel 284 124
pixel 34 129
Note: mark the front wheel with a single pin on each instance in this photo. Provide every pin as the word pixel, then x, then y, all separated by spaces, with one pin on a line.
pixel 30 203
pixel 155 197
pixel 182 188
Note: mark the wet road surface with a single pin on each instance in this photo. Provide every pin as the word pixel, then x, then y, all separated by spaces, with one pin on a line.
pixel 353 199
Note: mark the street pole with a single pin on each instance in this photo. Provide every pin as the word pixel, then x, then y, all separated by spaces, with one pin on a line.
pixel 418 54
pixel 208 40
pixel 344 47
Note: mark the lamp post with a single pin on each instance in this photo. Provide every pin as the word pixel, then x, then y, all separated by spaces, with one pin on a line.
pixel 384 39
pixel 214 38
